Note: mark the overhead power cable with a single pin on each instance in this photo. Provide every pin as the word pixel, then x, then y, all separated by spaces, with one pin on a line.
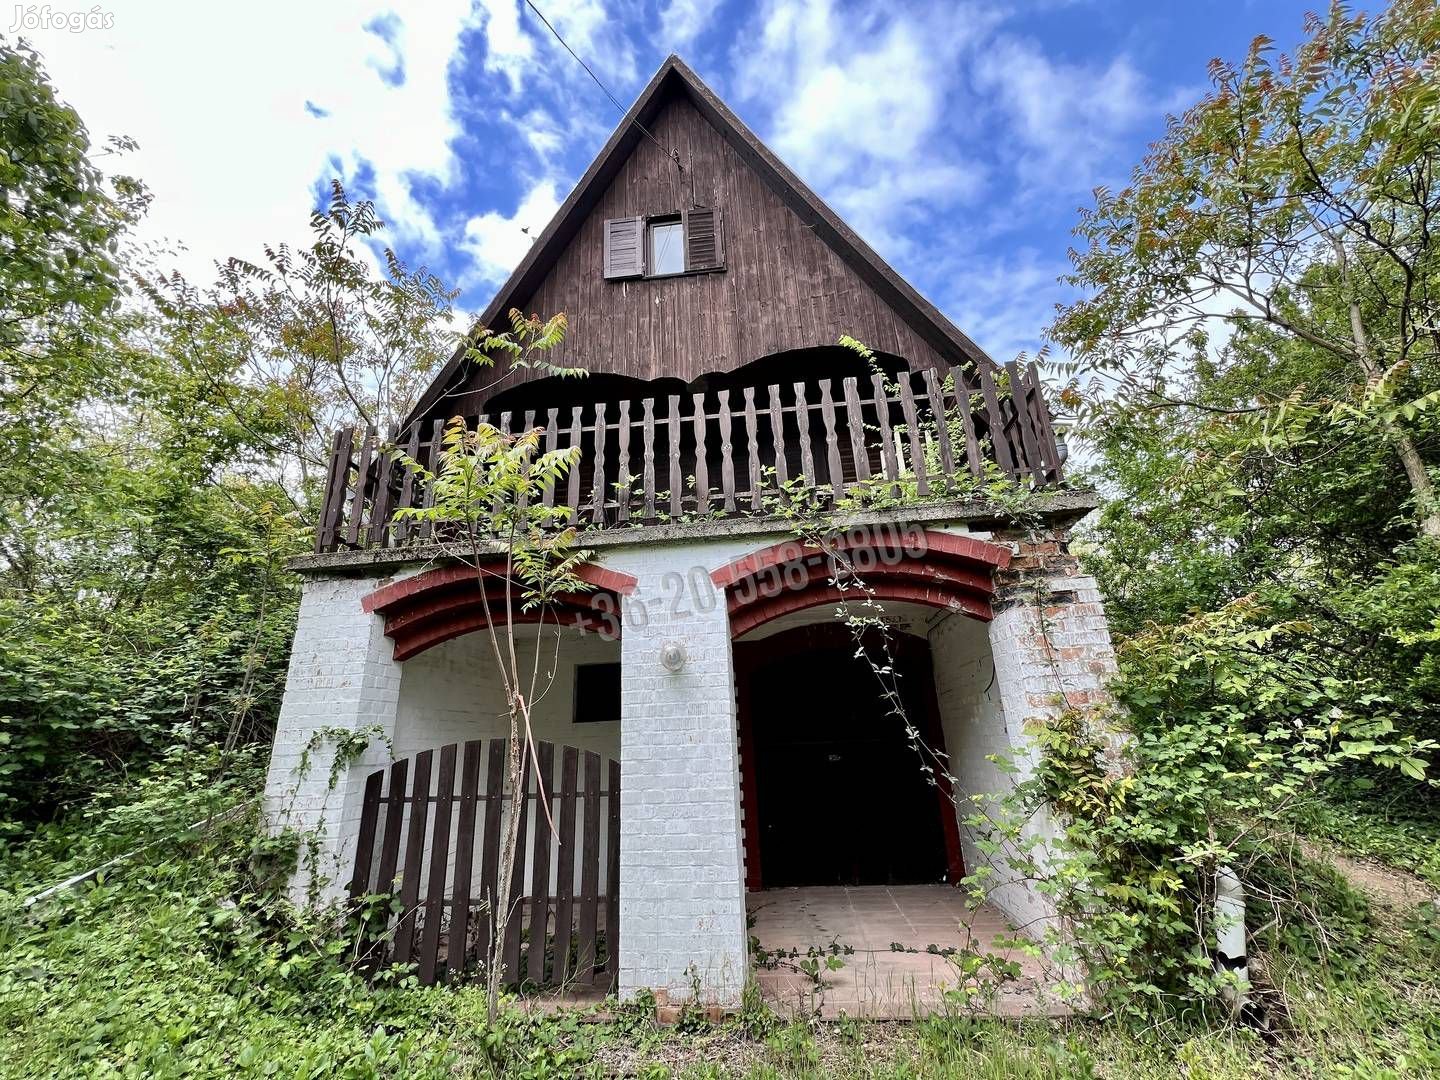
pixel 672 154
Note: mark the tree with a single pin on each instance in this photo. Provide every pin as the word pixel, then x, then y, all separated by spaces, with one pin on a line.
pixel 60 278
pixel 314 338
pixel 1298 200
pixel 487 499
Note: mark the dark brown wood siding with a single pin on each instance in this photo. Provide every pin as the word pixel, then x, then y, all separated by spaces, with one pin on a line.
pixel 782 287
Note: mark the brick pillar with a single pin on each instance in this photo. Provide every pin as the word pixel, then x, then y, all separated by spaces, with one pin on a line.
pixel 682 895
pixel 1049 637
pixel 341 676
pixel 1051 649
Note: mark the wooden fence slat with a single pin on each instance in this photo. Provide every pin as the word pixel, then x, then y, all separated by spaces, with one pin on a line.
pixel 540 863
pixel 439 866
pixel 727 453
pixel 365 841
pixel 802 422
pixel 597 493
pixel 552 443
pixel 357 501
pixel 336 484
pixel 503 426
pixel 622 465
pixel 459 937
pixel 515 925
pixel 995 420
pixel 383 505
pixel 702 462
pixel 525 429
pixel 677 475
pixel 572 478
pixel 365 863
pixel 612 882
pixel 589 869
pixel 832 444
pixel 967 423
pixel 437 449
pixel 647 451
pixel 887 434
pixel 935 395
pixel 565 864
pixel 1045 425
pixel 394 819
pixel 855 421
pixel 777 436
pixel 752 435
pixel 912 431
pixel 490 849
pixel 414 857
pixel 402 529
pixel 1024 422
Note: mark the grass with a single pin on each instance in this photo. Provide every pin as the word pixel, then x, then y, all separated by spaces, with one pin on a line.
pixel 175 966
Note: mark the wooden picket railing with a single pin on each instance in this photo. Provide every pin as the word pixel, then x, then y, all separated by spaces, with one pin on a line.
pixel 435 848
pixel 720 454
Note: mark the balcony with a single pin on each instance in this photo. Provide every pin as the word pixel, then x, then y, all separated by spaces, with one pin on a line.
pixel 729 453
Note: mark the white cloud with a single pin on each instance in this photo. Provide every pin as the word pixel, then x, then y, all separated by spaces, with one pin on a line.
pixel 216 97
pixel 1004 301
pixel 858 101
pixel 498 242
pixel 682 21
pixel 508 49
pixel 1065 116
pixel 512 31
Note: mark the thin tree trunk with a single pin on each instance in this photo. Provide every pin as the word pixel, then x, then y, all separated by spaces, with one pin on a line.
pixel 509 838
pixel 1414 465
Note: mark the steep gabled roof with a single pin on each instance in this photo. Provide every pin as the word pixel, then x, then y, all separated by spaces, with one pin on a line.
pixel 676 78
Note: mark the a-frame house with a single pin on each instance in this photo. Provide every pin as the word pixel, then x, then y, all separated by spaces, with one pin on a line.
pixel 706 732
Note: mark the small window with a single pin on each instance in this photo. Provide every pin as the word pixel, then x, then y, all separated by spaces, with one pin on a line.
pixel 665 245
pixel 597 693
pixel 667 248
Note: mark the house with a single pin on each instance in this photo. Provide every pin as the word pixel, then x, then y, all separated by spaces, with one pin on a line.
pixel 709 733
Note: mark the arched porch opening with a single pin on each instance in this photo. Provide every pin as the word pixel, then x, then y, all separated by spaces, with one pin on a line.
pixel 834 789
pixel 839 785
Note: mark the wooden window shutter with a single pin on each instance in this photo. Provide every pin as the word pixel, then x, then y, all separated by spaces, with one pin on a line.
pixel 704 239
pixel 624 247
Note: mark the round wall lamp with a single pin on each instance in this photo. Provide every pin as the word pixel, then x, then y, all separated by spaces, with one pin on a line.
pixel 672 656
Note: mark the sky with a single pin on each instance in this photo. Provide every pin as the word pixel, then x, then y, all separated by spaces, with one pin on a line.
pixel 960 139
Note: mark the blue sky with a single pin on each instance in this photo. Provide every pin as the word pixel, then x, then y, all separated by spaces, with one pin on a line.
pixel 959 139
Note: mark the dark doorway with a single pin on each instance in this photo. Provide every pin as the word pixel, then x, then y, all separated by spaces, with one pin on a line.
pixel 839 797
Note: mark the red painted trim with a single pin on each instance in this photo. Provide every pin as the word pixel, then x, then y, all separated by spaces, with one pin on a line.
pixel 749 782
pixel 936 544
pixel 763 611
pixel 427 609
pixel 944 790
pixel 920 574
pixel 448 576
pixel 468 621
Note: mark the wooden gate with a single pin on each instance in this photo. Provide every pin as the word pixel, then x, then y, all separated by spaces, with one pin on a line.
pixel 438 855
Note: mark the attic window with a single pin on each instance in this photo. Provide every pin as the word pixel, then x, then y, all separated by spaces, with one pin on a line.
pixel 665 253
pixel 664 245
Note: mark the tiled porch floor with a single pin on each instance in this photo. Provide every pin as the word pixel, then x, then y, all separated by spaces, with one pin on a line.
pixel 878 981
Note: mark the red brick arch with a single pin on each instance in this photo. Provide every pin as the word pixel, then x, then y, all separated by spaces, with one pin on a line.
pixel 936 569
pixel 422 611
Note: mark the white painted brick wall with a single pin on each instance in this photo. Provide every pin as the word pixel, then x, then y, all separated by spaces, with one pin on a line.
pixel 682 894
pixel 341 675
